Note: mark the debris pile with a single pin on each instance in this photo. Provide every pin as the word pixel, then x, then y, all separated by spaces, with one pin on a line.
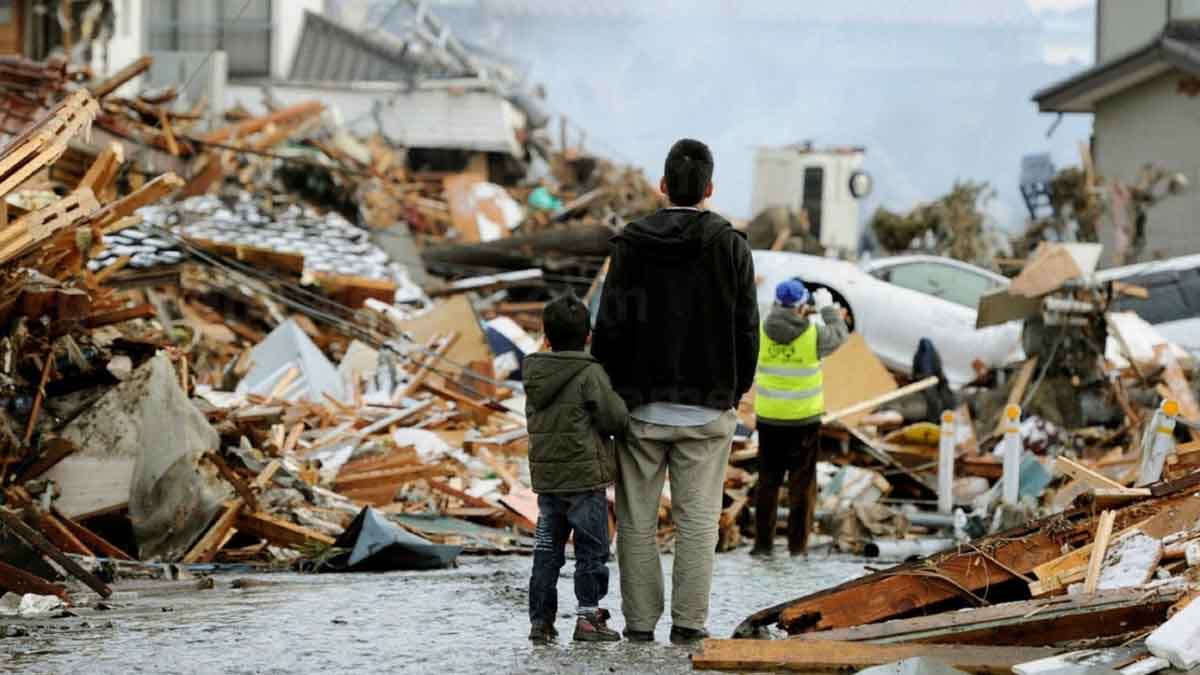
pixel 242 375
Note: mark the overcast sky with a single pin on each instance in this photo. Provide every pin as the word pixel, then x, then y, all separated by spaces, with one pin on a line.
pixel 937 90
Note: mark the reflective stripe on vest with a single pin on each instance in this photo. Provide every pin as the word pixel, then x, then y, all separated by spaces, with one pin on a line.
pixel 790 385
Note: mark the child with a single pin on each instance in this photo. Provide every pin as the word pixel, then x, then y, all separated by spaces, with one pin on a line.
pixel 573 414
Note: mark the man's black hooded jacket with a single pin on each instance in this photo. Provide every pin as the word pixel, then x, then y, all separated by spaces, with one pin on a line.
pixel 678 318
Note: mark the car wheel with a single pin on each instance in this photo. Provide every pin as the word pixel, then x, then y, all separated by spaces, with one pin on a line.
pixel 841 300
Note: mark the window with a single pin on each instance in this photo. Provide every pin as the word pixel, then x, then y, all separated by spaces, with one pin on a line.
pixel 1173 296
pixel 957 285
pixel 814 192
pixel 242 28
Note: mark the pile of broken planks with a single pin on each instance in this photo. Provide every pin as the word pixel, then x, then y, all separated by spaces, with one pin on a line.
pixel 1000 601
pixel 71 331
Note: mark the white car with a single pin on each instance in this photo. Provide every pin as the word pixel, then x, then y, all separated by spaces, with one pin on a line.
pixel 894 302
pixel 1174 303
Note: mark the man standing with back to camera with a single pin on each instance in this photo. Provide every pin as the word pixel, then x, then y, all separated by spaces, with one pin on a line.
pixel 678 334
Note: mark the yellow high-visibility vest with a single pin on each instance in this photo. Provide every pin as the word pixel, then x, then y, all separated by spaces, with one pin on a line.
pixel 789 381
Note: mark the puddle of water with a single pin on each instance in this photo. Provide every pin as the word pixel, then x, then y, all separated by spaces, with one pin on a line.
pixel 469 620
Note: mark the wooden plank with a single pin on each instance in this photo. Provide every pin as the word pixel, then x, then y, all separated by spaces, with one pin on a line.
pixel 910 588
pixel 439 345
pixel 832 657
pixel 60 536
pixel 142 311
pixel 223 528
pixel 104 167
pixel 1180 388
pixel 853 374
pixel 287 262
pixel 151 192
pixel 1017 392
pixel 36 540
pixel 17 580
pixel 1080 472
pixel 480 409
pixel 54 450
pixel 453 315
pixel 231 477
pixel 285 116
pixel 1030 623
pixel 465 498
pixel 866 406
pixel 391 477
pixel 122 76
pixel 208 545
pixel 280 532
pixel 94 541
pixel 1103 532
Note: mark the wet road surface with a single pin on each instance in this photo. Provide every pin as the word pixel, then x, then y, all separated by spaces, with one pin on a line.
pixel 467 620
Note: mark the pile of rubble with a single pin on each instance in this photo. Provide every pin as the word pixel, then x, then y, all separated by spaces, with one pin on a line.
pixel 169 366
pixel 1067 526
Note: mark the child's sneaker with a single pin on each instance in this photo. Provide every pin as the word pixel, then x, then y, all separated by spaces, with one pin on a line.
pixel 542 632
pixel 593 627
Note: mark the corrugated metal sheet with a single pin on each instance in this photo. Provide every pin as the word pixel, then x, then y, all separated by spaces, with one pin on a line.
pixel 331 52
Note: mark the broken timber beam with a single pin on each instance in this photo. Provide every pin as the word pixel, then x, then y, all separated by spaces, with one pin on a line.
pixel 280 532
pixel 1030 623
pixel 222 529
pixel 36 540
pixel 111 216
pixel 17 580
pixel 982 571
pixel 122 76
pixel 94 541
pixel 287 115
pixel 841 657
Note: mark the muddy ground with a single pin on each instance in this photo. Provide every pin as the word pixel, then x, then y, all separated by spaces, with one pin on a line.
pixel 467 620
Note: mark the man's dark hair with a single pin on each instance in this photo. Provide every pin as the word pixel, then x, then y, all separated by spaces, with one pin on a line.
pixel 567 324
pixel 688 170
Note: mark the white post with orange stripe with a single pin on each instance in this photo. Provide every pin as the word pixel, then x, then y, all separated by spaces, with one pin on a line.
pixel 1012 454
pixel 946 444
pixel 1160 442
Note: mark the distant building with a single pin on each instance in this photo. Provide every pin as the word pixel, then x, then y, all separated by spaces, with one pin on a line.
pixel 825 184
pixel 258 36
pixel 1142 94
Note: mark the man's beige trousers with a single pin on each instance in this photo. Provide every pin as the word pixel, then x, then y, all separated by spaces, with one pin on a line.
pixel 695 458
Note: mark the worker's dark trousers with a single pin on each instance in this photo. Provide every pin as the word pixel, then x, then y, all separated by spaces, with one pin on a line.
pixel 790 450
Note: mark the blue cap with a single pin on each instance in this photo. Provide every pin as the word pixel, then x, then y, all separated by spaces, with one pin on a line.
pixel 791 293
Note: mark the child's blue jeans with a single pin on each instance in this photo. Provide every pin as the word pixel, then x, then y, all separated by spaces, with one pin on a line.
pixel 585 514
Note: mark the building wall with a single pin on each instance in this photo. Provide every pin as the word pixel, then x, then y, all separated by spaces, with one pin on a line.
pixel 288 18
pixel 128 41
pixel 1126 25
pixel 1152 123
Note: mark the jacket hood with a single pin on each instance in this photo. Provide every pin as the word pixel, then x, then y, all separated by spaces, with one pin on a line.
pixel 675 234
pixel 783 324
pixel 546 373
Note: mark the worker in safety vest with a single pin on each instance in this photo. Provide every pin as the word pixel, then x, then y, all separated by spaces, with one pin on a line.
pixel 789 401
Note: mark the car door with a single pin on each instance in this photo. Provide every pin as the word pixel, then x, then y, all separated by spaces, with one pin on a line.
pixel 938 300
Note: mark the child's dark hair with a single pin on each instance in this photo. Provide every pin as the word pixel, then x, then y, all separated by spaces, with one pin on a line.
pixel 567 324
pixel 688 170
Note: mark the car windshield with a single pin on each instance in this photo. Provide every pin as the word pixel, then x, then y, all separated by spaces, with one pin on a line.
pixel 948 282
